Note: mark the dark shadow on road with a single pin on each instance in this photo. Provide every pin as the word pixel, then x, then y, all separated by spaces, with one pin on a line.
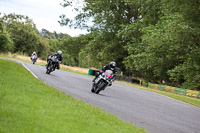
pixel 51 75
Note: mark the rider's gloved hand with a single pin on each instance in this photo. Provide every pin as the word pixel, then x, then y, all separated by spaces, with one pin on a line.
pixel 101 71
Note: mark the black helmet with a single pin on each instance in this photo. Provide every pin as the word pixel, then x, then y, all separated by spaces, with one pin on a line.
pixel 112 64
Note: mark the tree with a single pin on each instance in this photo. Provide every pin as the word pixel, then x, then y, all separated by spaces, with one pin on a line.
pixel 25 36
pixel 6 45
pixel 157 40
pixel 168 49
pixel 107 17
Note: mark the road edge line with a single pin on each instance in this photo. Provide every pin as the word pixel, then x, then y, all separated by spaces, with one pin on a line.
pixel 29 70
pixel 20 62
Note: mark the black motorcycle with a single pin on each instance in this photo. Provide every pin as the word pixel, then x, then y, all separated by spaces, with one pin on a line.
pixel 52 64
pixel 102 81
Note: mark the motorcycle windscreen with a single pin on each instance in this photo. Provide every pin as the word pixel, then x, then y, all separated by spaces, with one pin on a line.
pixel 109 74
pixel 54 59
pixel 33 57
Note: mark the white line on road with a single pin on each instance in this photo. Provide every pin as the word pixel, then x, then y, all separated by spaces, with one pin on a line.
pixel 30 71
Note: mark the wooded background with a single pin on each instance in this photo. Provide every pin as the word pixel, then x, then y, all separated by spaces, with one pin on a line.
pixel 155 40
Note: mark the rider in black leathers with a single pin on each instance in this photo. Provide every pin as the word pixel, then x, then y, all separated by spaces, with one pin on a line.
pixel 110 66
pixel 59 57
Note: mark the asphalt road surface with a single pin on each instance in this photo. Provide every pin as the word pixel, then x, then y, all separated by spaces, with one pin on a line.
pixel 153 112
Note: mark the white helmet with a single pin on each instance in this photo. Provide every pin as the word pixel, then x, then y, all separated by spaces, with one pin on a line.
pixel 34 53
pixel 59 52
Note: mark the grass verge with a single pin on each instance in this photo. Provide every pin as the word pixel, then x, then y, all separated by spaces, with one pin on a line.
pixel 29 105
pixel 190 100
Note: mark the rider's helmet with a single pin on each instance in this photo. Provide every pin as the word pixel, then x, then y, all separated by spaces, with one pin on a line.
pixel 112 65
pixel 34 53
pixel 59 53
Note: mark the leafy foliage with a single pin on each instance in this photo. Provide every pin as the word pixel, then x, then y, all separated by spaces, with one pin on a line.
pixel 154 40
pixel 25 36
pixel 157 40
pixel 6 44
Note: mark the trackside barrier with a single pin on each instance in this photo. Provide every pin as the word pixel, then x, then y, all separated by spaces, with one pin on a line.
pixel 93 72
pixel 192 93
pixel 180 91
pixel 169 89
pixel 90 72
pixel 149 84
pixel 154 86
pixel 161 87
pixel 175 90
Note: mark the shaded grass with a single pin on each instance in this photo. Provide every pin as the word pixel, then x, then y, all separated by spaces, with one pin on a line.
pixel 29 105
pixel 190 100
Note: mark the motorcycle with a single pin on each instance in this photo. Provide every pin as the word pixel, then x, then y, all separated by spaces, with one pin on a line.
pixel 102 81
pixel 52 64
pixel 34 59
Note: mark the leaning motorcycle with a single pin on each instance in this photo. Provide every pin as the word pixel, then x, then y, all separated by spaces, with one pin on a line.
pixel 52 64
pixel 33 59
pixel 102 81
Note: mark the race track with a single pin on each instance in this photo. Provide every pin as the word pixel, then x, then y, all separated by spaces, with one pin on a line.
pixel 151 111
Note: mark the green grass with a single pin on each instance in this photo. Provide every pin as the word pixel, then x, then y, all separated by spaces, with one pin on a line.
pixel 28 105
pixel 190 100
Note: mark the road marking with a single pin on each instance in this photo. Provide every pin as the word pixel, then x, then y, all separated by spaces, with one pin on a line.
pixel 20 62
pixel 30 71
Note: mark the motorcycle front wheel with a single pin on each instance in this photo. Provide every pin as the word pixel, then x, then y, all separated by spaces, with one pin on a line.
pixel 93 90
pixel 100 87
pixel 49 68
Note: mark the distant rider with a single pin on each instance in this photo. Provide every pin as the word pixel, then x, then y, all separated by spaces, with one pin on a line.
pixel 59 57
pixel 34 56
pixel 110 66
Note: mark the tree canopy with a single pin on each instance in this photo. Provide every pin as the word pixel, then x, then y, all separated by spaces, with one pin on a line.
pixel 24 35
pixel 157 40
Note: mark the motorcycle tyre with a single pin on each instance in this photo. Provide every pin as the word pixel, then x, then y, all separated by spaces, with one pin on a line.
pixel 100 87
pixel 93 90
pixel 48 69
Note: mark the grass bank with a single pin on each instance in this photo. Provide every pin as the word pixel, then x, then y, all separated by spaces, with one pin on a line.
pixel 29 105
